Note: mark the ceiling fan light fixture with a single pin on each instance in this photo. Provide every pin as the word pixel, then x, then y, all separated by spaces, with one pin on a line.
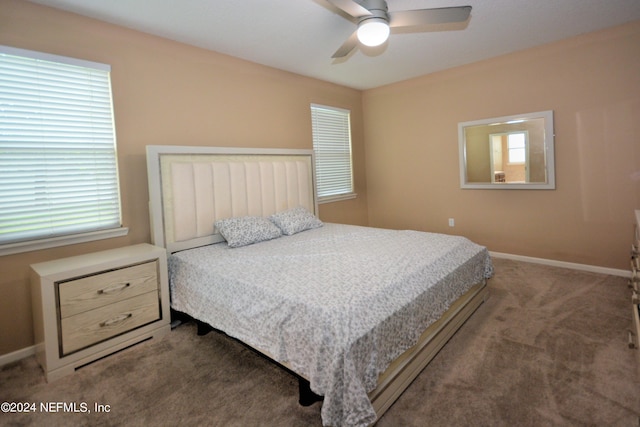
pixel 373 31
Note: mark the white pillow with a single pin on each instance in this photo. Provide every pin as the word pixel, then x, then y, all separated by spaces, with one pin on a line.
pixel 295 220
pixel 242 231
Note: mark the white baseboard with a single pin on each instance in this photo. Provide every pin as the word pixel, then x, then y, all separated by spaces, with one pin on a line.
pixel 30 351
pixel 5 359
pixel 564 264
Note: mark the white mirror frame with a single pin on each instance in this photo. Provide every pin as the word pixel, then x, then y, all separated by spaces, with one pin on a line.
pixel 549 142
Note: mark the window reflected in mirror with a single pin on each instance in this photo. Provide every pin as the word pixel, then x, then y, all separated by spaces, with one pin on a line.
pixel 508 152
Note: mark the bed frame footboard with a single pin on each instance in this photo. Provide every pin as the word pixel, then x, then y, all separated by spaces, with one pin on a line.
pixel 401 373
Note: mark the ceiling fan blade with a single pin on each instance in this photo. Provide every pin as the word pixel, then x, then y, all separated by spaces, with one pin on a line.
pixel 442 15
pixel 347 46
pixel 351 7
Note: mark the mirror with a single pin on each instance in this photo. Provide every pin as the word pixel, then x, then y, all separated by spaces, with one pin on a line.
pixel 511 152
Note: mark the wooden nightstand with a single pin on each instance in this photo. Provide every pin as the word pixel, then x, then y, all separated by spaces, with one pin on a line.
pixel 89 306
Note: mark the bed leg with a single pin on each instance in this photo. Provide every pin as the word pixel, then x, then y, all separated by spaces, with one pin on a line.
pixel 203 328
pixel 307 397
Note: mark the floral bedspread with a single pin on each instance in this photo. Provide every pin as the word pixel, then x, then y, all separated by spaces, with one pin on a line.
pixel 337 304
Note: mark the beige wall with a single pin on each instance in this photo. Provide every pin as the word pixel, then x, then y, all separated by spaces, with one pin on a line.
pixel 168 93
pixel 592 82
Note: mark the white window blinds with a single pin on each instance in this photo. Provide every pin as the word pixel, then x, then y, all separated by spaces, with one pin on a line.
pixel 332 146
pixel 58 171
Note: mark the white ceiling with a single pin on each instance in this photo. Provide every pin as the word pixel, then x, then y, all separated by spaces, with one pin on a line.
pixel 301 35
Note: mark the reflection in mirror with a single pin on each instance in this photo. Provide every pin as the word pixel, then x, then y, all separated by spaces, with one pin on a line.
pixel 514 152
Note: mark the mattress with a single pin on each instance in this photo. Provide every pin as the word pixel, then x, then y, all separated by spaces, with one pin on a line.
pixel 337 304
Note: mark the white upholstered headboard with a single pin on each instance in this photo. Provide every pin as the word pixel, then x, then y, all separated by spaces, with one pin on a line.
pixel 192 187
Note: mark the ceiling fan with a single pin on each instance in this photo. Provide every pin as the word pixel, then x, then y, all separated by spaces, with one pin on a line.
pixel 374 20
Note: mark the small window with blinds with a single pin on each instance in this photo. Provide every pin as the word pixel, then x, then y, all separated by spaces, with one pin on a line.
pixel 58 170
pixel 332 147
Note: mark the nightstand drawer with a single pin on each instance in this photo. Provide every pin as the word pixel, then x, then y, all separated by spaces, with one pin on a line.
pixel 85 329
pixel 88 293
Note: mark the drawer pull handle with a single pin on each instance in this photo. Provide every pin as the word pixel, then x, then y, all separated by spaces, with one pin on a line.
pixel 114 288
pixel 116 320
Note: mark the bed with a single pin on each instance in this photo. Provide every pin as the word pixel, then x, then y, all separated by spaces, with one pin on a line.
pixel 355 312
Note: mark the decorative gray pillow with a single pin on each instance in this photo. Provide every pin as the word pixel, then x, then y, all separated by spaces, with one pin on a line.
pixel 246 230
pixel 295 220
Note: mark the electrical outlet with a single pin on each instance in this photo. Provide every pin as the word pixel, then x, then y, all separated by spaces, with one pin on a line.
pixel 452 223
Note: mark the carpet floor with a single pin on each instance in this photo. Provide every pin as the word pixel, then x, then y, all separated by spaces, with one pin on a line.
pixel 548 348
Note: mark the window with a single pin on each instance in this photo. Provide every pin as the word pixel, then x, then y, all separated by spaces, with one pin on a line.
pixel 58 171
pixel 332 146
pixel 517 147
